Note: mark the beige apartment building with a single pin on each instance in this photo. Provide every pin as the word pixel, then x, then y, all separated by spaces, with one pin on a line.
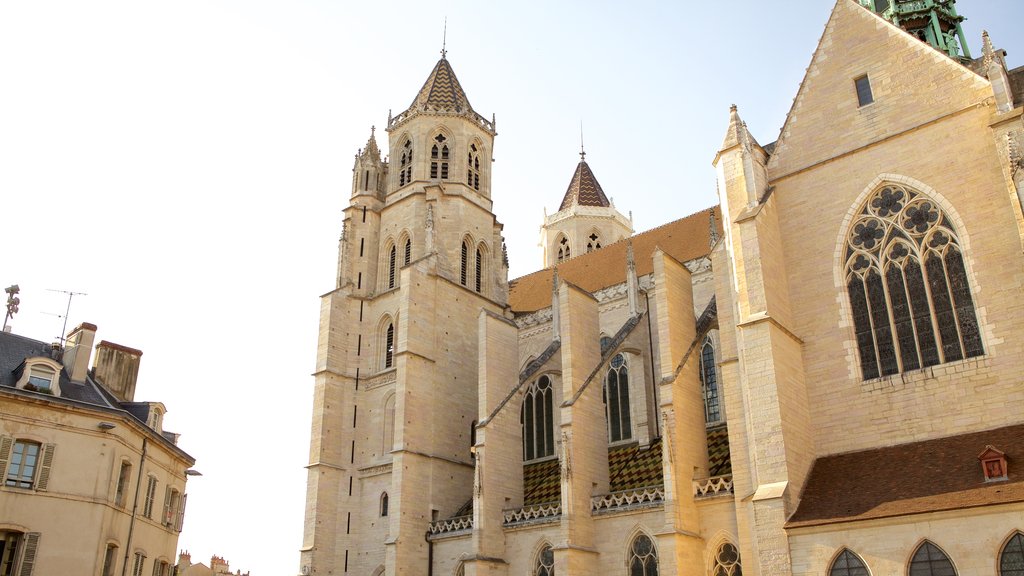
pixel 92 483
pixel 821 375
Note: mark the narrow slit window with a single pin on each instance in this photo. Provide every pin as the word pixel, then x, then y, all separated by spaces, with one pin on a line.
pixel 864 96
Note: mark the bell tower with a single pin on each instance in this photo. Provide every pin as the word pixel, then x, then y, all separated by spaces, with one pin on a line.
pixel 421 256
pixel 935 22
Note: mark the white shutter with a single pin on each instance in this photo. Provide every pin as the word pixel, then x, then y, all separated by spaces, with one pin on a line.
pixel 166 521
pixel 44 468
pixel 181 513
pixel 28 559
pixel 6 442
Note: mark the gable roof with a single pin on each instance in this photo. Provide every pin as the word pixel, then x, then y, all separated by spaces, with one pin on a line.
pixel 684 239
pixel 914 478
pixel 826 101
pixel 584 189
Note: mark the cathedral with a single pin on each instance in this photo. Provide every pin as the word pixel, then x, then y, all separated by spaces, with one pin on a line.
pixel 821 374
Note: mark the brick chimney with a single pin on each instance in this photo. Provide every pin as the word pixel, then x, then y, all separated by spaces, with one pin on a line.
pixel 78 350
pixel 117 369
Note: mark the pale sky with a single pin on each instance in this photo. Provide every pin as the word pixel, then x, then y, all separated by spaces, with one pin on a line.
pixel 185 164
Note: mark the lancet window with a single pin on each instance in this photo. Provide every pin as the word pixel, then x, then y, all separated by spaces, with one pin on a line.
pixel 464 269
pixel 709 382
pixel 439 155
pixel 727 561
pixel 616 397
pixel 473 168
pixel 1011 560
pixel 479 269
pixel 537 418
pixel 908 287
pixel 391 267
pixel 563 249
pixel 405 168
pixel 389 346
pixel 408 252
pixel 643 557
pixel 930 560
pixel 848 564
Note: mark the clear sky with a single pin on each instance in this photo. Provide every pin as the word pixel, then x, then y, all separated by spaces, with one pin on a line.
pixel 185 164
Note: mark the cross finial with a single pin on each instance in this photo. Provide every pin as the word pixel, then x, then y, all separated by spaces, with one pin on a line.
pixel 583 153
pixel 444 40
pixel 373 130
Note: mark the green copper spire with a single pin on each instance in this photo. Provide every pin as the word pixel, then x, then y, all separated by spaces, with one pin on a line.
pixel 933 21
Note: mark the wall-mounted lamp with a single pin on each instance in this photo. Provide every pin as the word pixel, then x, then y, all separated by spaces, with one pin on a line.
pixel 191 472
pixel 106 426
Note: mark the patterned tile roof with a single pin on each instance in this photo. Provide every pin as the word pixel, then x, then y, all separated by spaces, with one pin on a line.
pixel 584 189
pixel 441 92
pixel 684 239
pixel 541 482
pixel 634 467
pixel 719 461
pixel 927 476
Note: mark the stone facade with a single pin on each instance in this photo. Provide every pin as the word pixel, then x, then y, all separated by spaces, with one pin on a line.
pixel 672 403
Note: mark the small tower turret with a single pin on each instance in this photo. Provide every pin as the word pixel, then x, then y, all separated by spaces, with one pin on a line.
pixel 935 22
pixel 369 174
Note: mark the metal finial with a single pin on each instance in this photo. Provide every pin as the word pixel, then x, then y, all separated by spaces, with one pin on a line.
pixel 373 131
pixel 444 40
pixel 583 153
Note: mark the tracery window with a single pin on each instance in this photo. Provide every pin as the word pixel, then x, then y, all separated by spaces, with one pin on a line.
pixel 473 168
pixel 616 397
pixel 594 242
pixel 545 562
pixel 1011 560
pixel 709 382
pixel 537 419
pixel 391 267
pixel 389 346
pixel 727 561
pixel 908 288
pixel 563 249
pixel 848 564
pixel 929 560
pixel 643 557
pixel 464 270
pixel 405 168
pixel 439 155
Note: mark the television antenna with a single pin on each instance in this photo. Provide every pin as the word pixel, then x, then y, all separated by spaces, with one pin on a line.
pixel 70 295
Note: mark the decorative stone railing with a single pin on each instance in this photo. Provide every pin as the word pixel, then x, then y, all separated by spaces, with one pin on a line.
pixel 451 526
pixel 711 487
pixel 538 513
pixel 628 499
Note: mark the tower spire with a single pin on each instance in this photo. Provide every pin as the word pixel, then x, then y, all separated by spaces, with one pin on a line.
pixel 444 40
pixel 583 153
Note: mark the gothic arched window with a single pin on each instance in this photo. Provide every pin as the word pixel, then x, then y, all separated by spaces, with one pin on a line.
pixel 563 249
pixel 616 394
pixel 479 268
pixel 439 154
pixel 727 561
pixel 464 270
pixel 643 557
pixel 405 168
pixel 907 284
pixel 848 564
pixel 537 418
pixel 389 346
pixel 709 382
pixel 929 560
pixel 1011 559
pixel 593 242
pixel 391 267
pixel 408 252
pixel 473 168
pixel 384 504
pixel 545 562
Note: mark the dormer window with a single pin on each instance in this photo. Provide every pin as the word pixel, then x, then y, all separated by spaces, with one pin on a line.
pixel 40 374
pixel 41 377
pixel 993 464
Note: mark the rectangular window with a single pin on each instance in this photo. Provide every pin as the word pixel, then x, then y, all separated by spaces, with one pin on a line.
pixel 122 483
pixel 140 560
pixel 22 470
pixel 147 506
pixel 864 96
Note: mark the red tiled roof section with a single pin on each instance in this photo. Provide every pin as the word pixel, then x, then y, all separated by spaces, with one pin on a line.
pixel 584 189
pixel 928 476
pixel 684 239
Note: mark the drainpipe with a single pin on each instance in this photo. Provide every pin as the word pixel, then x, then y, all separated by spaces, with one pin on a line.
pixel 430 553
pixel 135 507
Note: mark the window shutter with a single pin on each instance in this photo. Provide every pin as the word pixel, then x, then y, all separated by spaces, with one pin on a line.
pixel 5 454
pixel 44 468
pixel 167 507
pixel 28 560
pixel 181 513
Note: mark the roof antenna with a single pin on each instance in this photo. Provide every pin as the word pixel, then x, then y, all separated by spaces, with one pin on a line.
pixel 71 295
pixel 583 154
pixel 444 40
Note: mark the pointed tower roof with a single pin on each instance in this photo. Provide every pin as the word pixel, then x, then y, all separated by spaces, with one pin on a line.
pixel 584 189
pixel 371 150
pixel 442 91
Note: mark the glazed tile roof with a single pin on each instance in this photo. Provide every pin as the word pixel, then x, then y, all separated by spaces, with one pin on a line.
pixel 634 467
pixel 719 461
pixel 927 476
pixel 541 482
pixel 684 239
pixel 441 92
pixel 584 189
